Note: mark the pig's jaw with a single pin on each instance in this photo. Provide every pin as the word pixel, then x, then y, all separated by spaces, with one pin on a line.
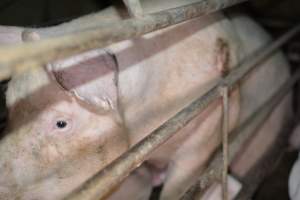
pixel 52 187
pixel 16 183
pixel 25 174
pixel 9 180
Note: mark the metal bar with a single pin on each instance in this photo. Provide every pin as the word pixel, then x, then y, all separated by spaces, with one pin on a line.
pixel 242 133
pixel 225 132
pixel 134 8
pixel 20 57
pixel 266 165
pixel 102 184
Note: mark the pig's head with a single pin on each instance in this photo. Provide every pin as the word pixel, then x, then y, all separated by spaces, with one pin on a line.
pixel 63 126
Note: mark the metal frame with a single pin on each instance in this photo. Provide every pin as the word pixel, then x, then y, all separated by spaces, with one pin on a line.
pixel 15 59
pixel 101 185
pixel 225 133
pixel 134 7
pixel 238 137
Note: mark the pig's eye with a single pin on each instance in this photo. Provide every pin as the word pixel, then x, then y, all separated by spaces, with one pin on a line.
pixel 61 124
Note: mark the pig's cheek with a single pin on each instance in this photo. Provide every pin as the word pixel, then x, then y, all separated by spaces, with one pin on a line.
pixel 50 145
pixel 46 153
pixel 104 138
pixel 88 141
pixel 34 161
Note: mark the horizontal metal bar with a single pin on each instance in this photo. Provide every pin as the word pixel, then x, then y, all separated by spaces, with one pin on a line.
pixel 241 134
pixel 18 58
pixel 102 184
pixel 267 164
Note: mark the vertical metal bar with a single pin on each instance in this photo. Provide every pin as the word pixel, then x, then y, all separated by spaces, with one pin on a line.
pixel 241 134
pixel 102 184
pixel 225 131
pixel 134 8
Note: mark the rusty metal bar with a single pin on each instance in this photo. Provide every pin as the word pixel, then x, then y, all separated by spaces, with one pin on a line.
pixel 266 164
pixel 134 7
pixel 241 134
pixel 18 58
pixel 225 131
pixel 103 183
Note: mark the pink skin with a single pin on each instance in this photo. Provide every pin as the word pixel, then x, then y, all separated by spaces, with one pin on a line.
pixel 137 186
pixel 65 155
pixel 112 98
pixel 256 89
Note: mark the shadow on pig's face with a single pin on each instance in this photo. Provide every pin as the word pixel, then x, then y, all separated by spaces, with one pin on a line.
pixel 53 139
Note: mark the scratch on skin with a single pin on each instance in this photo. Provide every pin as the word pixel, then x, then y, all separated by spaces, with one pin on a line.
pixel 222 52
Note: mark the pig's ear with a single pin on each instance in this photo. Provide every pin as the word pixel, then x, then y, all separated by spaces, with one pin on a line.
pixel 90 76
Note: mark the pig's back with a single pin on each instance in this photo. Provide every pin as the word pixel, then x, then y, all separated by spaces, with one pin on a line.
pixel 162 72
pixel 265 80
pixel 256 88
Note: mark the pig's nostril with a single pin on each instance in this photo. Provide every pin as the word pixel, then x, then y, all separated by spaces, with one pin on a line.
pixel 61 124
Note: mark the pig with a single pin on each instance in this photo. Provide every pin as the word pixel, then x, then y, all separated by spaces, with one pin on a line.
pixel 71 118
pixel 214 192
